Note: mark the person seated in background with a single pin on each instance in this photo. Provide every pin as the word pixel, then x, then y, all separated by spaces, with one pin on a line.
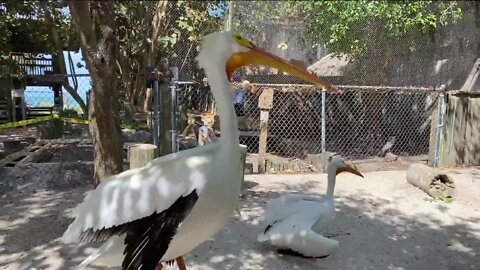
pixel 239 91
pixel 204 96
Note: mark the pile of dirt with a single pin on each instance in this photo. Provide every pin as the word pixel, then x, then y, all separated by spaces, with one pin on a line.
pixel 57 176
pixel 70 153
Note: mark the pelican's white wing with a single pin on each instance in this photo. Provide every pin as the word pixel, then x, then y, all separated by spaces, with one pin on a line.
pixel 295 233
pixel 287 205
pixel 138 193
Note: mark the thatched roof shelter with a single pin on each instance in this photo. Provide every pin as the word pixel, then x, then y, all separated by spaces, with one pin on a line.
pixel 331 65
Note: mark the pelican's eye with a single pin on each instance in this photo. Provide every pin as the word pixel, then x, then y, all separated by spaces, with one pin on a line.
pixel 243 41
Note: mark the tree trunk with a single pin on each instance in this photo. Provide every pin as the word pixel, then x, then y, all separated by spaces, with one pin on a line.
pixel 139 87
pixel 151 46
pixel 94 22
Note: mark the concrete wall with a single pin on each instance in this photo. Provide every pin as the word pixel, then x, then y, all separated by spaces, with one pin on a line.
pixel 460 140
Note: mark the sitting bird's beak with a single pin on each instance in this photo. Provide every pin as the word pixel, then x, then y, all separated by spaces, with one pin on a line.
pixel 207 138
pixel 349 168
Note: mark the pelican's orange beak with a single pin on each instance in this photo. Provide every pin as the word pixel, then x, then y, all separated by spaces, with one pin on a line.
pixel 257 56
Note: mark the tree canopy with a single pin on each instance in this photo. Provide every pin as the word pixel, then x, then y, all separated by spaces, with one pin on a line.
pixel 147 32
pixel 359 27
pixel 350 27
pixel 179 24
pixel 153 31
pixel 377 35
pixel 23 26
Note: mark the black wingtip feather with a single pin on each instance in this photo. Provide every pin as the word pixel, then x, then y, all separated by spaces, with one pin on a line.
pixel 297 254
pixel 269 227
pixel 147 239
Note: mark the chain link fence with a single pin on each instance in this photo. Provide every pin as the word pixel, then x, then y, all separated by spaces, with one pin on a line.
pixel 387 106
pixel 379 113
pixel 361 123
pixel 38 102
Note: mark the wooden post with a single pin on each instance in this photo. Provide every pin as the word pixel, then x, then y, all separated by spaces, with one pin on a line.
pixel 265 103
pixel 5 94
pixel 262 142
pixel 141 154
pixel 436 126
pixel 433 133
pixel 165 112
pixel 57 98
pixel 243 158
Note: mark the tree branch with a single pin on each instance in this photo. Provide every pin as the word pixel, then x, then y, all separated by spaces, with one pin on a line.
pixel 155 28
pixel 72 91
pixel 95 24
pixel 82 20
pixel 158 20
pixel 61 59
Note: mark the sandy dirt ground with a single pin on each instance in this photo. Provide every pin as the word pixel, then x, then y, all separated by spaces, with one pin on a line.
pixel 381 223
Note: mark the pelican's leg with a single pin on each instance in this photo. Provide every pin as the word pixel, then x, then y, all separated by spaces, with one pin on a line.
pixel 181 263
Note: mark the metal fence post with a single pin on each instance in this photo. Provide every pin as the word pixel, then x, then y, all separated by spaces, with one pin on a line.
pixel 439 127
pixel 155 118
pixel 323 130
pixel 173 118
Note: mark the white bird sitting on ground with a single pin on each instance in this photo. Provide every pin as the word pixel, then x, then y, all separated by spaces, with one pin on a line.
pixel 206 135
pixel 290 218
pixel 162 211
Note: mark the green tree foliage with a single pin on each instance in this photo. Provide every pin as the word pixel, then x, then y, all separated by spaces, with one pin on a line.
pixel 183 22
pixel 373 33
pixel 350 27
pixel 151 31
pixel 35 27
pixel 23 28
pixel 360 27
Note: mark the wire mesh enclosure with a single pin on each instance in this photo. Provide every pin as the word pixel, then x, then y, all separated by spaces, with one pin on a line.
pixel 378 113
pixel 387 71
pixel 362 122
pixel 365 123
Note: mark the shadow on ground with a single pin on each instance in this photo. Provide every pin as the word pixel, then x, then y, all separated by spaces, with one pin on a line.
pixel 32 220
pixel 373 234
